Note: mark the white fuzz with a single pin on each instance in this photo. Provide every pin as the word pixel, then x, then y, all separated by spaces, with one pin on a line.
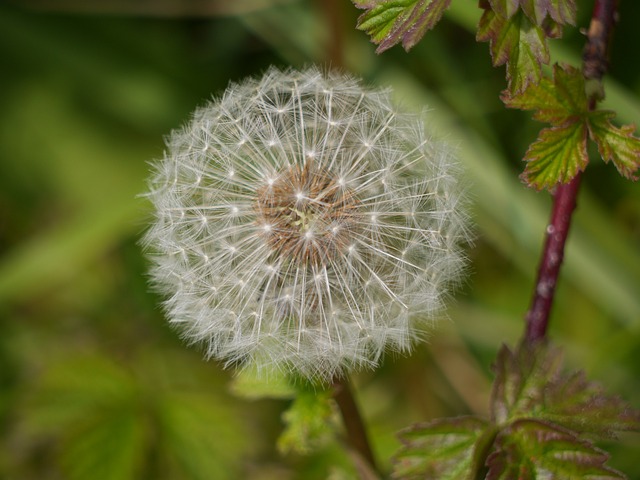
pixel 303 224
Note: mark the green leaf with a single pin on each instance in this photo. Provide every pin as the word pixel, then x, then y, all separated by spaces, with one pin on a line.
pixel 88 406
pixel 310 422
pixel 516 41
pixel 560 11
pixel 560 152
pixel 555 101
pixel 557 155
pixel 390 22
pixel 520 379
pixel 543 422
pixel 532 449
pixel 445 449
pixel 162 417
pixel 582 406
pixel 618 145
pixel 108 447
pixel 504 8
pixel 201 437
pixel 530 383
pixel 72 390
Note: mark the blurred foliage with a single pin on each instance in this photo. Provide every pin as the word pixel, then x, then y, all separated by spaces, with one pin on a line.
pixel 95 385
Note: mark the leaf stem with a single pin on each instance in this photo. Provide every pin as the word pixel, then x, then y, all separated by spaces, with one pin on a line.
pixel 595 64
pixel 355 428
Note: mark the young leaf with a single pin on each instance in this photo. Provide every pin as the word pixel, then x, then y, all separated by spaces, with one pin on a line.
pixel 442 449
pixel 530 384
pixel 560 11
pixel 520 380
pixel 580 405
pixel 390 22
pixel 618 145
pixel 310 422
pixel 516 41
pixel 560 152
pixel 556 101
pixel 532 449
pixel 543 422
pixel 557 155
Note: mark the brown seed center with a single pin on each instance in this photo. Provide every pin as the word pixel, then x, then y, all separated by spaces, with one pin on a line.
pixel 307 214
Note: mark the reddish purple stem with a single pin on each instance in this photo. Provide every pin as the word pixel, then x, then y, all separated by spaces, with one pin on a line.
pixel 595 65
pixel 564 203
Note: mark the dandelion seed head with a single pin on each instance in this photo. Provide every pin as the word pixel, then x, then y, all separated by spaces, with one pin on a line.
pixel 304 224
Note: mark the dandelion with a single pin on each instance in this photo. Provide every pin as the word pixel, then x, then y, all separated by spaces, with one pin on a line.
pixel 303 224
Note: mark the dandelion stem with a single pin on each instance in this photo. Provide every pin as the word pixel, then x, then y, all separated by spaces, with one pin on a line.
pixel 332 10
pixel 595 64
pixel 353 424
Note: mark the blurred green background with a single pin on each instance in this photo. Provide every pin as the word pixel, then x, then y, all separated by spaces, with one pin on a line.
pixel 95 385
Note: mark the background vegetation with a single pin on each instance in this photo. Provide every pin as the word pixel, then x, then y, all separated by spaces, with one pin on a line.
pixel 93 384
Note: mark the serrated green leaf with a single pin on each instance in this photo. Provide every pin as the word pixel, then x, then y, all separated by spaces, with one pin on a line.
pixel 443 449
pixel 560 11
pixel 504 8
pixel 520 379
pixel 531 449
pixel 530 383
pixel 310 422
pixel 560 152
pixel 582 406
pixel 557 155
pixel 535 10
pixel 390 22
pixel 555 101
pixel 618 145
pixel 544 425
pixel 508 463
pixel 517 42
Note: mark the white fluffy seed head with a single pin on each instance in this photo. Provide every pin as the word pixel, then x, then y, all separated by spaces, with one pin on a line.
pixel 304 225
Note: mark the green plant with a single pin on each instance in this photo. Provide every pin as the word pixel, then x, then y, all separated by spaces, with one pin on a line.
pixel 543 423
pixel 96 386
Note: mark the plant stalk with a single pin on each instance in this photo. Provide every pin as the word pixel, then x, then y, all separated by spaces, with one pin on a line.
pixel 334 17
pixel 595 65
pixel 355 428
pixel 564 203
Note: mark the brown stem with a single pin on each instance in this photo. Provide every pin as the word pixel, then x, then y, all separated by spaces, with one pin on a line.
pixel 332 10
pixel 354 426
pixel 595 57
pixel 595 64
